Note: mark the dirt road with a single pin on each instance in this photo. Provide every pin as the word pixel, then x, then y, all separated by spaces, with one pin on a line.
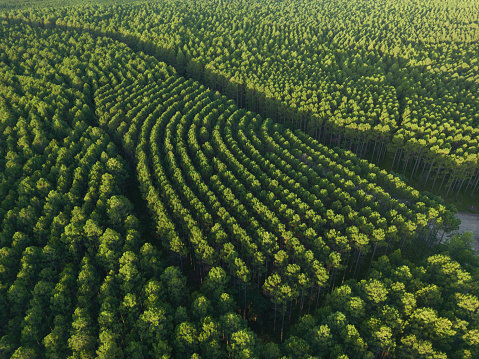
pixel 470 223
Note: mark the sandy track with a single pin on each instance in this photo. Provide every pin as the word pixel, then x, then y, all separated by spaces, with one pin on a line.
pixel 469 223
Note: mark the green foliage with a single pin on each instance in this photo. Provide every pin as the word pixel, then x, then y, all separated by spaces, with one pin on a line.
pixel 175 284
pixel 368 88
pixel 411 312
pixel 268 216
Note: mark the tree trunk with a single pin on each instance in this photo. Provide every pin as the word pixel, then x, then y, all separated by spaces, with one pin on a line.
pixel 310 298
pixel 459 190
pixel 346 266
pixel 239 290
pixel 437 175
pixel 372 258
pixel 352 264
pixel 423 168
pixel 404 167
pixel 387 248
pixel 317 298
pixel 477 182
pixel 442 236
pixel 470 182
pixel 427 177
pixel 382 151
pixel 442 183
pixel 300 305
pixel 244 316
pixel 290 310
pixel 374 150
pixel 398 159
pixel 416 165
pixel 357 265
pixel 364 148
pixel 274 325
pixel 450 187
pixel 334 279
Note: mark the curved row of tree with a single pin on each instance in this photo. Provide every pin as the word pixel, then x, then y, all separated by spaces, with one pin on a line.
pixel 76 277
pixel 229 191
pixel 269 205
pixel 389 77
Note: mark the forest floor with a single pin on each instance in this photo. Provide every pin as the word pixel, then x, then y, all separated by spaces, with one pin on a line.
pixel 470 223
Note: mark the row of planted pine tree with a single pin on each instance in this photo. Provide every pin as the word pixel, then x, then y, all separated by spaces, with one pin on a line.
pixel 397 95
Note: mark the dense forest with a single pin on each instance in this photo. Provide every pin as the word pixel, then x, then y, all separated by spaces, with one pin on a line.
pixel 211 179
pixel 392 77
